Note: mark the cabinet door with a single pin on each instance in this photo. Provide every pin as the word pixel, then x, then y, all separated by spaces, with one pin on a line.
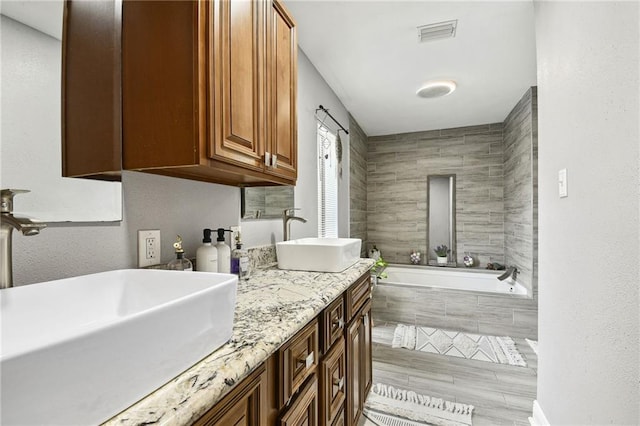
pixel 354 373
pixel 237 82
pixel 366 353
pixel 245 405
pixel 332 384
pixel 282 136
pixel 304 411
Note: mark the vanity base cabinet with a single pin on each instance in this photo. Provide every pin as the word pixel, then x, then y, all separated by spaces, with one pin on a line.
pixel 304 410
pixel 299 385
pixel 244 405
pixel 359 364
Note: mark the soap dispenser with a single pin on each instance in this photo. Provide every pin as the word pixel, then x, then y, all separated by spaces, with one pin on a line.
pixel 180 263
pixel 224 252
pixel 240 259
pixel 207 254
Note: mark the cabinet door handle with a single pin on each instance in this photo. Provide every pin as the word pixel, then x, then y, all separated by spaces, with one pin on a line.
pixel 274 160
pixel 339 383
pixel 337 323
pixel 307 361
pixel 267 159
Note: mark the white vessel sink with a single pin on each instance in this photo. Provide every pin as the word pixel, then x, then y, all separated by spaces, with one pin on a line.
pixel 80 350
pixel 318 254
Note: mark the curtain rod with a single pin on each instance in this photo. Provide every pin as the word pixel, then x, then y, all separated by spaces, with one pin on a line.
pixel 320 107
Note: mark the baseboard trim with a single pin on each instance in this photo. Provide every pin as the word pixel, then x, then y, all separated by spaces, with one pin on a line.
pixel 538 418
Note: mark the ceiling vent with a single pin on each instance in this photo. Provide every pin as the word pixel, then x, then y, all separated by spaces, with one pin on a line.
pixel 437 31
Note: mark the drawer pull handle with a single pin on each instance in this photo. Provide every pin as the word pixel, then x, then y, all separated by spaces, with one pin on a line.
pixel 274 161
pixel 338 323
pixel 267 159
pixel 308 361
pixel 339 383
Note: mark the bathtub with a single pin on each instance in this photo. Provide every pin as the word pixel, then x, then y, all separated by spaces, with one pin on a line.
pixel 451 278
pixel 459 299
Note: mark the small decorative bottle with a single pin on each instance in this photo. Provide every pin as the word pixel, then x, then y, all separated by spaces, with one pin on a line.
pixel 240 260
pixel 180 263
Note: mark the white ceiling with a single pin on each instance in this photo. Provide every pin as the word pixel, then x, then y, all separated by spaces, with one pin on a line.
pixel 368 52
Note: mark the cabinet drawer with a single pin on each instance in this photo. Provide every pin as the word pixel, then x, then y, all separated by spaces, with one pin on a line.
pixel 357 295
pixel 298 360
pixel 333 321
pixel 304 411
pixel 332 383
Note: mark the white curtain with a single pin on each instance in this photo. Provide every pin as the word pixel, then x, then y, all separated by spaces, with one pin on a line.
pixel 327 183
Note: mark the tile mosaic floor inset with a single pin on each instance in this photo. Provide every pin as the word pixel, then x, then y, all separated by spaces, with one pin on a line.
pixel 477 347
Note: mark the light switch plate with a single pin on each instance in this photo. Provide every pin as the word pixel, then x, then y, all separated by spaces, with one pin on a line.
pixel 562 184
pixel 148 247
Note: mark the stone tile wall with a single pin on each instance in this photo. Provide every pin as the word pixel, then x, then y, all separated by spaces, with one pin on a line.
pixel 520 201
pixel 358 182
pixel 397 170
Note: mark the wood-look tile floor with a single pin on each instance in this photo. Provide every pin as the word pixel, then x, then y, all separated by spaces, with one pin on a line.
pixel 501 394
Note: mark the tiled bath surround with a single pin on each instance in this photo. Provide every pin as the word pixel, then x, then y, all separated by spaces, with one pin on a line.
pixel 520 187
pixel 496 190
pixel 398 166
pixel 497 315
pixel 358 182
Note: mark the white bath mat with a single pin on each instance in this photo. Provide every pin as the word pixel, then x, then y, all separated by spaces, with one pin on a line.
pixel 390 406
pixel 533 344
pixel 501 350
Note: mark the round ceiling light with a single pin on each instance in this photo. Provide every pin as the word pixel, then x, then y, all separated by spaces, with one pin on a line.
pixel 436 89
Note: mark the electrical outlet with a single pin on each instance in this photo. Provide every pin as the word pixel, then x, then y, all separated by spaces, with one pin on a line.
pixel 148 247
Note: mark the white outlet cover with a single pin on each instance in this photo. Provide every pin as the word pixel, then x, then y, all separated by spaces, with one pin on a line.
pixel 143 236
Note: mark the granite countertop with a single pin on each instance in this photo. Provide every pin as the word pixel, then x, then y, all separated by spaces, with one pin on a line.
pixel 271 307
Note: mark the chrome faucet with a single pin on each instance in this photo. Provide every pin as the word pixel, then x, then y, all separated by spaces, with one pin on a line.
pixel 511 271
pixel 287 217
pixel 25 225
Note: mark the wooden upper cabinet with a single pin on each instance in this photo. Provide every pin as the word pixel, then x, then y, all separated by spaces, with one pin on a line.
pixel 91 82
pixel 237 82
pixel 282 62
pixel 197 90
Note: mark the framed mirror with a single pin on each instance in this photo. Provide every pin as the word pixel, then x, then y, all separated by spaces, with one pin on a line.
pixel 441 216
pixel 265 202
pixel 31 154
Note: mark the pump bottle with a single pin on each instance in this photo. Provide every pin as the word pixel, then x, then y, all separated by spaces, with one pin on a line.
pixel 224 252
pixel 207 254
pixel 240 259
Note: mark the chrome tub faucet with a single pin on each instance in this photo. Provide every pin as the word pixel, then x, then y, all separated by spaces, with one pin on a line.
pixel 10 222
pixel 511 271
pixel 287 217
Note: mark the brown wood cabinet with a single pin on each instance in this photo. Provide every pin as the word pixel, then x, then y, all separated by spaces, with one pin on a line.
pixel 298 385
pixel 199 90
pixel 359 365
pixel 91 84
pixel 244 405
pixel 208 93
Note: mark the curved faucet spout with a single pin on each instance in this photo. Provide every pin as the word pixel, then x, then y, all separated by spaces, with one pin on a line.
pixel 286 222
pixel 511 271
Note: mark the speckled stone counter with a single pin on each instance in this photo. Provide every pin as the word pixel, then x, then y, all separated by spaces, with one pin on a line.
pixel 271 307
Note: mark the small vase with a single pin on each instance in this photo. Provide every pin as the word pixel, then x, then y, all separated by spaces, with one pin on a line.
pixel 442 260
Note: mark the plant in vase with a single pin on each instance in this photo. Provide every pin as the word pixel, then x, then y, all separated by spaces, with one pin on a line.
pixel 377 271
pixel 441 253
pixel 415 257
